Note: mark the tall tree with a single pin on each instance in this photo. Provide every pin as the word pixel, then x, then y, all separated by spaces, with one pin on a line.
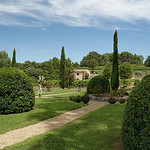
pixel 115 72
pixel 14 58
pixel 4 59
pixel 147 62
pixel 62 69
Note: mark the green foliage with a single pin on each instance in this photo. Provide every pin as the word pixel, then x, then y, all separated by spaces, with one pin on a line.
pixel 85 99
pixel 136 121
pixel 125 82
pixel 125 71
pixel 107 70
pixel 147 77
pixel 33 72
pixel 4 59
pixel 62 69
pixel 138 73
pixel 119 92
pixel 16 94
pixel 112 100
pixel 92 63
pixel 84 83
pixel 136 82
pixel 147 62
pixel 130 58
pixel 76 99
pixel 115 72
pixel 14 59
pixel 98 85
pixel 48 84
pixel 122 100
pixel 69 77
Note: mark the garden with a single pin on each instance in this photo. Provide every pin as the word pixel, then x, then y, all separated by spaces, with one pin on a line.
pixel 123 126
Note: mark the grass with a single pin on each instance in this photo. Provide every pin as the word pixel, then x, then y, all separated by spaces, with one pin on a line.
pixel 98 130
pixel 58 91
pixel 43 109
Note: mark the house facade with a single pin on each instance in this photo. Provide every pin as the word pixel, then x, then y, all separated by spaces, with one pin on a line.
pixel 79 74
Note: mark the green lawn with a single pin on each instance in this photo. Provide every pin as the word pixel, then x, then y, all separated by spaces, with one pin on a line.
pixel 59 90
pixel 43 109
pixel 98 130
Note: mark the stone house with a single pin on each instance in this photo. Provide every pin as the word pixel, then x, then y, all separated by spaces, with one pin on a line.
pixel 79 74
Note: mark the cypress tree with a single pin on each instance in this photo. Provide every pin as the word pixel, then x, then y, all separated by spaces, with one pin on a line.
pixel 14 58
pixel 115 73
pixel 62 69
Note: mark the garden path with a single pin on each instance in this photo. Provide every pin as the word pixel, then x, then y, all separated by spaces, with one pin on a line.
pixel 18 135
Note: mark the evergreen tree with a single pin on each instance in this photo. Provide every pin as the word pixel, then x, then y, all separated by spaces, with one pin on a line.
pixel 62 69
pixel 14 58
pixel 115 73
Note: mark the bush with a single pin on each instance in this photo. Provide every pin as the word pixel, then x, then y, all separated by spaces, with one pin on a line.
pixel 48 84
pixel 112 100
pixel 98 85
pixel 107 70
pixel 83 83
pixel 75 98
pixel 136 120
pixel 136 82
pixel 125 71
pixel 16 91
pixel 119 92
pixel 137 73
pixel 85 99
pixel 122 100
pixel 125 82
pixel 147 78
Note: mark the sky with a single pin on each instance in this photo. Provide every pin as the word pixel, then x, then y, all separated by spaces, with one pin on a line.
pixel 38 29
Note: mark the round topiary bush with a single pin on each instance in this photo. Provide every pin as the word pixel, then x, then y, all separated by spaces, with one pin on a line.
pixel 16 91
pixel 136 120
pixel 98 85
pixel 112 100
pixel 85 99
pixel 122 100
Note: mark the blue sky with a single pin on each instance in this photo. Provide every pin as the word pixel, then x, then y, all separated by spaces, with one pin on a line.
pixel 38 29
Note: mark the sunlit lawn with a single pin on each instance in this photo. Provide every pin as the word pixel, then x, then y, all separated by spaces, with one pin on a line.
pixel 43 109
pixel 98 130
pixel 59 90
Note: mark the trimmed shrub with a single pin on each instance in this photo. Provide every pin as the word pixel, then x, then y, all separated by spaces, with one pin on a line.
pixel 136 120
pixel 73 98
pixel 136 81
pixel 112 100
pixel 125 71
pixel 122 100
pixel 107 70
pixel 147 78
pixel 16 91
pixel 85 99
pixel 98 85
pixel 125 82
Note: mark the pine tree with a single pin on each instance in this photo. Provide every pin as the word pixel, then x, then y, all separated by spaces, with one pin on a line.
pixel 62 69
pixel 115 73
pixel 14 58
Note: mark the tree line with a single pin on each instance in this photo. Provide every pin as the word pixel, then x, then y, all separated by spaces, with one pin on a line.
pixel 94 59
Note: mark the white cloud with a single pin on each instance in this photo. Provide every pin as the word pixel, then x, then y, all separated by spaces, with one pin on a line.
pixel 73 12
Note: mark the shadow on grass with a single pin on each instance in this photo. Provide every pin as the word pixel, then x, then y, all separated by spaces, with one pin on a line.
pixel 98 130
pixel 48 108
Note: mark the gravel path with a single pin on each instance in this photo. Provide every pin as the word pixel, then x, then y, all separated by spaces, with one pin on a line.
pixel 22 134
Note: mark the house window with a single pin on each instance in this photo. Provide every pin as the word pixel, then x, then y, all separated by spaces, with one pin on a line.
pixel 77 74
